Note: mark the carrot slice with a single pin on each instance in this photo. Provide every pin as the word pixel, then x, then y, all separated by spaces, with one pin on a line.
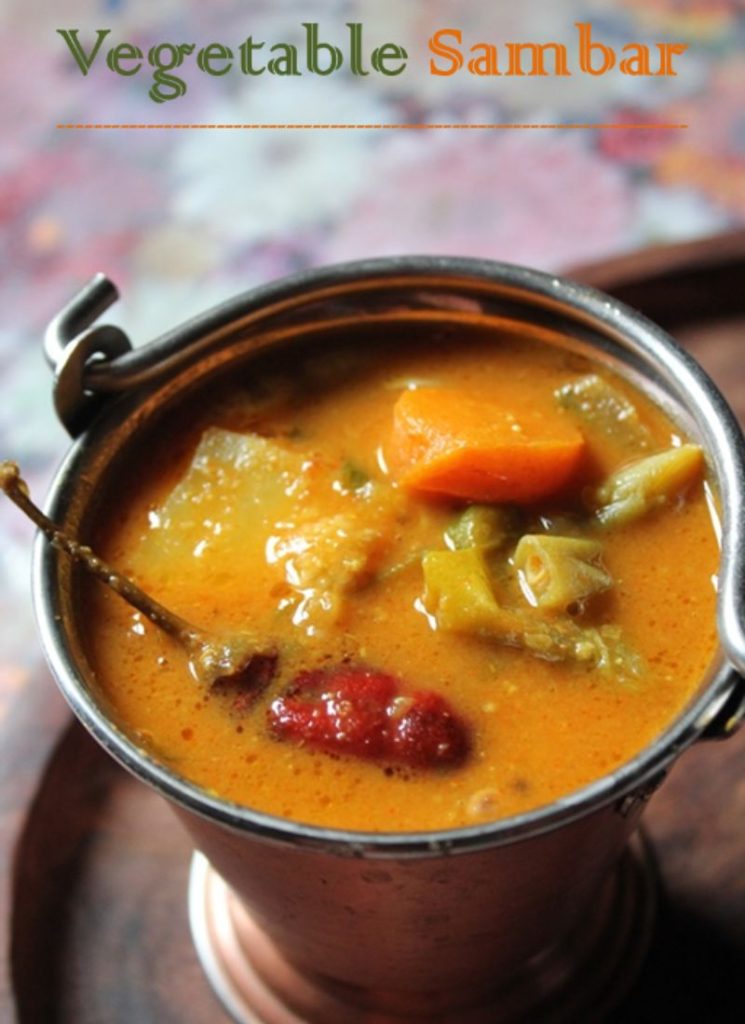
pixel 450 443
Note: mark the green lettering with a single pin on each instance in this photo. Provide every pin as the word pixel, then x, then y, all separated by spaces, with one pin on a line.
pixel 286 63
pixel 312 48
pixel 124 51
pixel 355 57
pixel 386 52
pixel 247 51
pixel 84 61
pixel 167 87
pixel 214 52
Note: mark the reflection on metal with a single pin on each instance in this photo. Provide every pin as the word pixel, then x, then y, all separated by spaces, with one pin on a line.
pixel 546 873
pixel 72 346
pixel 93 362
pixel 583 977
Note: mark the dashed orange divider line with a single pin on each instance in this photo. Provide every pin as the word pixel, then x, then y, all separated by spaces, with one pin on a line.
pixel 336 127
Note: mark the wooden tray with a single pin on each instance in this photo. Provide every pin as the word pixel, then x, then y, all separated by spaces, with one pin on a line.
pixel 94 866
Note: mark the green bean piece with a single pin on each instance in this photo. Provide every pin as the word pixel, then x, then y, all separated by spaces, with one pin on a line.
pixel 481 526
pixel 557 572
pixel 600 648
pixel 647 484
pixel 459 595
pixel 602 406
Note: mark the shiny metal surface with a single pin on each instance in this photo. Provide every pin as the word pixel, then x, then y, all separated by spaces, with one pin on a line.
pixel 424 281
pixel 385 917
pixel 72 346
pixel 381 292
pixel 581 977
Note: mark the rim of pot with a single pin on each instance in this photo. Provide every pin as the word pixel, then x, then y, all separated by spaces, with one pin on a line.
pixel 691 388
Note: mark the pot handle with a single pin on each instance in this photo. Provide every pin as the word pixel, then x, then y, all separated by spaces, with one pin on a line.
pixel 71 344
pixel 730 715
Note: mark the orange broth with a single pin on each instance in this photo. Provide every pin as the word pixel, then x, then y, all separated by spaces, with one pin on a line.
pixel 539 728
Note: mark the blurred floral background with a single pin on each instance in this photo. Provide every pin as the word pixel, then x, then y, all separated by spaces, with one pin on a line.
pixel 183 219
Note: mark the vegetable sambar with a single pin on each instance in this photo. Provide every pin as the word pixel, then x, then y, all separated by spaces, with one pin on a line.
pixel 484 570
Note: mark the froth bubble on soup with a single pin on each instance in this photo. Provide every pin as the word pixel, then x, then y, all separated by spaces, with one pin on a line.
pixel 485 571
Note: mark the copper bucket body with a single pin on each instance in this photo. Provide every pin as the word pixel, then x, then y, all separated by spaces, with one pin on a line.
pixel 541 917
pixel 551 929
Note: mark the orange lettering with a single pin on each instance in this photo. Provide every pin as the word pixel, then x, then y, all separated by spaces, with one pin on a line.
pixel 667 52
pixel 637 63
pixel 486 62
pixel 448 53
pixel 537 52
pixel 587 47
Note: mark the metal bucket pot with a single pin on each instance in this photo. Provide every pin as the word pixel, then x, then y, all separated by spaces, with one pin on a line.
pixel 539 917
